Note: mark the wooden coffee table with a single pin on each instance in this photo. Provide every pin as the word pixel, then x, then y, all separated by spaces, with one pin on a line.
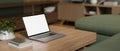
pixel 73 39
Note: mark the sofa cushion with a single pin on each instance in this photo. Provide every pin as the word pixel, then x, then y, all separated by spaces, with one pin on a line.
pixel 103 24
pixel 101 38
pixel 111 44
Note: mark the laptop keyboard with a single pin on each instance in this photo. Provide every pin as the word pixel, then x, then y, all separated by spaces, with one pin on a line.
pixel 47 37
pixel 44 35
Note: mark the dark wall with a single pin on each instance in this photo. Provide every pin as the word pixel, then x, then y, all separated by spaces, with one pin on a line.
pixel 10 1
pixel 10 11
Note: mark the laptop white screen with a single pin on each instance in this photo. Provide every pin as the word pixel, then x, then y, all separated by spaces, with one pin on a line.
pixel 35 24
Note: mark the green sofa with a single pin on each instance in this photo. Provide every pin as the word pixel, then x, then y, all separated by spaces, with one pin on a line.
pixel 107 28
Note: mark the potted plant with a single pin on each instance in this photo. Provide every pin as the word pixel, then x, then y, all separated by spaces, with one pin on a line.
pixel 7 29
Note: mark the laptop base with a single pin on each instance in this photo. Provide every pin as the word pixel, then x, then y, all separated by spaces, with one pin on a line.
pixel 47 37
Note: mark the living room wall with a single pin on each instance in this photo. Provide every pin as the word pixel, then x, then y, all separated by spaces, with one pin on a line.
pixel 9 11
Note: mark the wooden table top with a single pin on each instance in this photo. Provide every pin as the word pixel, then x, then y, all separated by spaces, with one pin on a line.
pixel 73 39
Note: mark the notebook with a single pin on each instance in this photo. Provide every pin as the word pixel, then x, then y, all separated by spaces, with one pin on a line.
pixel 37 28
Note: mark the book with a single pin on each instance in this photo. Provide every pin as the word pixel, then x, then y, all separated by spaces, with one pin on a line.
pixel 20 42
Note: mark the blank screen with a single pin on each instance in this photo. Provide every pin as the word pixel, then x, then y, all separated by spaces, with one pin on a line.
pixel 35 24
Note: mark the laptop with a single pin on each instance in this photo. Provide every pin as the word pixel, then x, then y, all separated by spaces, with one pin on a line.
pixel 37 28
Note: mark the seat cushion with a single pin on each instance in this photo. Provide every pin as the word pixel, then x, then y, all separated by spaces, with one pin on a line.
pixel 103 24
pixel 111 44
pixel 101 38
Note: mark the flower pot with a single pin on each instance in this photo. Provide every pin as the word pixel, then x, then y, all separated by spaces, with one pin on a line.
pixel 5 35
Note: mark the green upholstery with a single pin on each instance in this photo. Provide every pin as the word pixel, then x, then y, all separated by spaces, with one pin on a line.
pixel 103 24
pixel 107 28
pixel 111 44
pixel 10 11
pixel 101 38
